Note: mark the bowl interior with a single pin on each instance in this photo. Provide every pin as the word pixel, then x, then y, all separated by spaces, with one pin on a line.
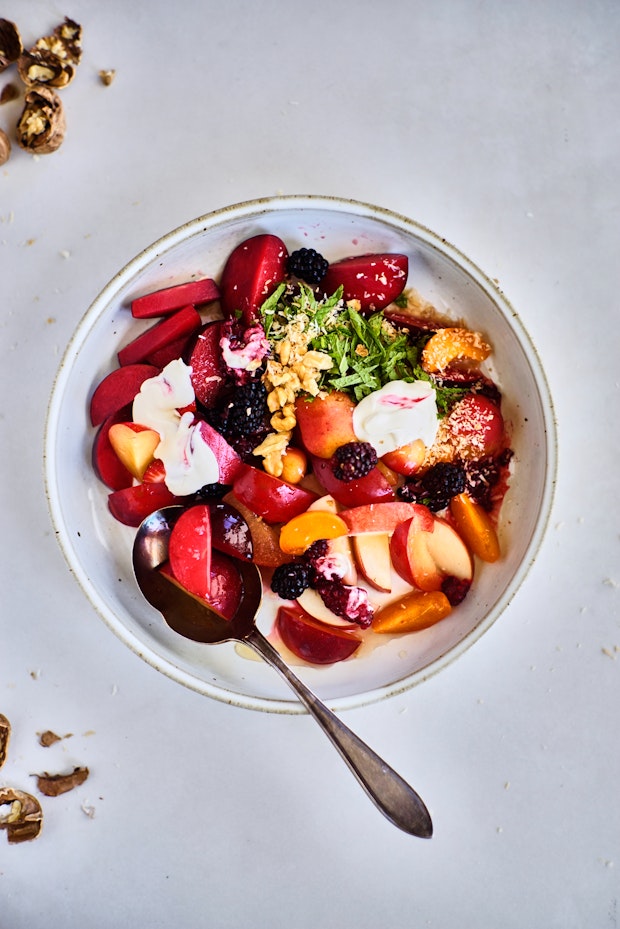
pixel 98 549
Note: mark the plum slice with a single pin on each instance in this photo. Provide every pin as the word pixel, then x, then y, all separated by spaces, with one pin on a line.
pixel 169 299
pixel 117 389
pixel 171 329
pixel 374 280
pixel 189 550
pixel 252 272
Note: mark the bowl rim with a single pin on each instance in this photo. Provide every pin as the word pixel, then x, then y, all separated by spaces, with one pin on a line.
pixel 248 209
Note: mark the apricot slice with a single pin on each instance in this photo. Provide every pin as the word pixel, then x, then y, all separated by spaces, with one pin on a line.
pixel 452 344
pixel 475 527
pixel 300 532
pixel 415 611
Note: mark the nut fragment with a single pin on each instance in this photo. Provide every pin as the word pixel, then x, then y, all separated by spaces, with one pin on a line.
pixel 24 818
pixel 106 77
pixel 5 154
pixel 5 732
pixel 10 43
pixel 52 785
pixel 41 126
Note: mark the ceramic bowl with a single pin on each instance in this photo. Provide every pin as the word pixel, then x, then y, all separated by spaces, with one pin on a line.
pixel 98 549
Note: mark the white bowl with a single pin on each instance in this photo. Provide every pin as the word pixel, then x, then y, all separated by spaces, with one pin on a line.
pixel 98 549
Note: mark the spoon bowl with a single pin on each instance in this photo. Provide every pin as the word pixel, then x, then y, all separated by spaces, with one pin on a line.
pixel 194 619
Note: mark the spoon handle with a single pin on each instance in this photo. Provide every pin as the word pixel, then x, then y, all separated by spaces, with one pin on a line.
pixel 387 789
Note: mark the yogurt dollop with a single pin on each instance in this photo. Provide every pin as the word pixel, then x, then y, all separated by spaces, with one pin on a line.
pixel 398 413
pixel 188 460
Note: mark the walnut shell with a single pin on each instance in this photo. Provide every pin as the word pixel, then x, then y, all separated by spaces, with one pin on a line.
pixel 40 66
pixel 41 126
pixel 5 730
pixel 5 154
pixel 25 816
pixel 10 43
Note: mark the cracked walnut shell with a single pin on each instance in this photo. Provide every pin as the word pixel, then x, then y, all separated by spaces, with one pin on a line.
pixel 41 126
pixel 5 154
pixel 10 44
pixel 40 66
pixel 24 818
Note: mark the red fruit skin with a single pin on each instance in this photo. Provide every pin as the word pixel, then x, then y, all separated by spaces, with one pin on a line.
pixel 312 640
pixel 171 329
pixel 165 301
pixel 228 460
pixel 374 280
pixel 478 420
pixel 269 497
pixel 230 532
pixel 208 368
pixel 226 585
pixel 155 472
pixel 189 550
pixel 177 349
pixel 117 389
pixel 399 551
pixel 252 272
pixel 106 463
pixel 133 504
pixel 374 488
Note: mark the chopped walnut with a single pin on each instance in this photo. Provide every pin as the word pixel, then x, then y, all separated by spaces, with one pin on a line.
pixel 24 818
pixel 52 785
pixel 10 43
pixel 5 732
pixel 5 147
pixel 41 126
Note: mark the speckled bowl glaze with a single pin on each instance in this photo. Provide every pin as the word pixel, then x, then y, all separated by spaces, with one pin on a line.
pixel 98 549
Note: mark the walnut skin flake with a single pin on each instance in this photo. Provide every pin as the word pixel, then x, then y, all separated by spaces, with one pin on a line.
pixel 24 818
pixel 41 126
pixel 106 77
pixel 52 785
pixel 9 93
pixel 5 147
pixel 10 43
pixel 5 732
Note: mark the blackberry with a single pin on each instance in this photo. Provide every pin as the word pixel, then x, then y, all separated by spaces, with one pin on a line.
pixel 317 550
pixel 213 491
pixel 354 460
pixel 455 589
pixel 347 602
pixel 436 487
pixel 246 413
pixel 290 580
pixel 483 475
pixel 308 265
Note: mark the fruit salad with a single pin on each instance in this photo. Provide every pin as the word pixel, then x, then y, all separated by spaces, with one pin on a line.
pixel 317 417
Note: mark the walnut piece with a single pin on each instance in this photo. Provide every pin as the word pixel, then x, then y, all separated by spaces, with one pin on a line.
pixel 52 785
pixel 24 818
pixel 5 154
pixel 41 126
pixel 10 43
pixel 5 732
pixel 106 77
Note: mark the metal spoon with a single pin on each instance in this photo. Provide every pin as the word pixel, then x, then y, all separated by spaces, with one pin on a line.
pixel 195 620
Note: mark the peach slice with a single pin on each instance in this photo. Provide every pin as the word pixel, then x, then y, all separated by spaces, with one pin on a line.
pixel 475 527
pixel 312 602
pixel 134 445
pixel 414 612
pixel 385 516
pixel 406 459
pixel 452 344
pixel 372 554
pixel 299 533
pixel 424 559
pixel 325 423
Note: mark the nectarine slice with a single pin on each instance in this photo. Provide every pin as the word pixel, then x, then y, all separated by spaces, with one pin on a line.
pixel 475 527
pixel 134 445
pixel 299 533
pixel 417 610
pixel 448 345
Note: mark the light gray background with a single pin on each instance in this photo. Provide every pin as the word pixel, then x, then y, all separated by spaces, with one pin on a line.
pixel 496 125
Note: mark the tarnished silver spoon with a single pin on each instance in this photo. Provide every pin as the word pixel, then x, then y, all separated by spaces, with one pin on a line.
pixel 195 620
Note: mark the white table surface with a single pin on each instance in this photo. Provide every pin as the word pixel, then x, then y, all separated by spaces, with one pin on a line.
pixel 495 124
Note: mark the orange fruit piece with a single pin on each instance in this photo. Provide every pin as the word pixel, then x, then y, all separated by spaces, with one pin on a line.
pixel 475 527
pixel 299 533
pixel 453 344
pixel 294 465
pixel 415 611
